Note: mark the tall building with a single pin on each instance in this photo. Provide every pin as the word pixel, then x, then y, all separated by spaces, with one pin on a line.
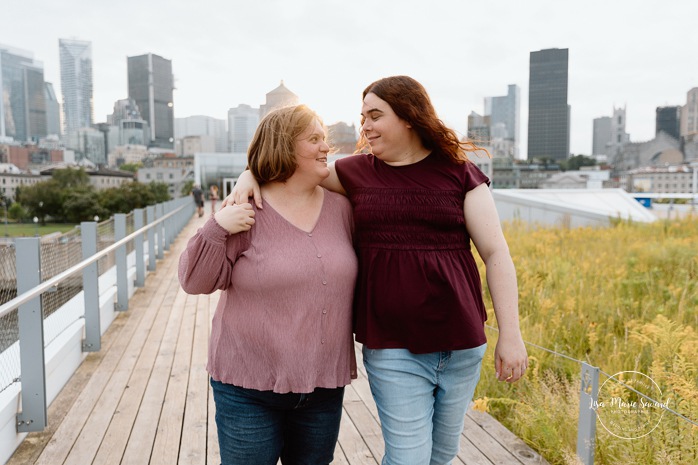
pixel 242 124
pixel 200 125
pixel 504 117
pixel 689 116
pixel 548 110
pixel 479 129
pixel 53 111
pixel 669 120
pixel 601 136
pixel 22 96
pixel 76 83
pixel 609 134
pixel 342 137
pixel 151 85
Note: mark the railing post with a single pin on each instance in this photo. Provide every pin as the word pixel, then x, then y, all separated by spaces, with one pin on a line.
pixel 33 416
pixel 588 401
pixel 150 211
pixel 90 287
pixel 121 263
pixel 138 246
pixel 160 231
pixel 167 224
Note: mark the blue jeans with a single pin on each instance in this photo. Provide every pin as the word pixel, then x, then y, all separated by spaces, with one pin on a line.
pixel 422 400
pixel 259 427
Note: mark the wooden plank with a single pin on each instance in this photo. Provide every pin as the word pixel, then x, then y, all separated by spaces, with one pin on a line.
pixel 486 444
pixel 67 433
pixel 352 445
pixel 116 438
pixel 365 422
pixel 470 454
pixel 169 432
pixel 89 440
pixel 193 448
pixel 212 450
pixel 525 454
pixel 141 440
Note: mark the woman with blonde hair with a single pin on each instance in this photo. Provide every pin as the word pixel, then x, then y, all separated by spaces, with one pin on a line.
pixel 419 312
pixel 281 348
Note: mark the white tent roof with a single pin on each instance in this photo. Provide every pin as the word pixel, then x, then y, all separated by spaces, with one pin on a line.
pixel 573 207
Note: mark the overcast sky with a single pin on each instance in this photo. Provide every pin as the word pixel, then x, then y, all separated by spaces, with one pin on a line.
pixel 637 54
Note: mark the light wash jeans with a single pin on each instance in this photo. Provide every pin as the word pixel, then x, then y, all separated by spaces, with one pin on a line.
pixel 422 400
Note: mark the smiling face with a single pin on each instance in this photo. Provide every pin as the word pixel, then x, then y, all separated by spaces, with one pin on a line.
pixel 388 134
pixel 311 151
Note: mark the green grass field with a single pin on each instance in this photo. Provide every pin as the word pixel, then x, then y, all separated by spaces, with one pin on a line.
pixel 29 229
pixel 623 298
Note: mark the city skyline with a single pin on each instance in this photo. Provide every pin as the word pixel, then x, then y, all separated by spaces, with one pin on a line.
pixel 229 53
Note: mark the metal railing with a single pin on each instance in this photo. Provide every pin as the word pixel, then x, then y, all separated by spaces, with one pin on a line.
pixel 164 221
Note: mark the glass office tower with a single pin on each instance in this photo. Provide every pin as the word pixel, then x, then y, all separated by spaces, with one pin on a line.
pixel 548 111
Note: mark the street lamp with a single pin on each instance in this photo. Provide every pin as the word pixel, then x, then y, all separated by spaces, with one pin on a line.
pixel 36 226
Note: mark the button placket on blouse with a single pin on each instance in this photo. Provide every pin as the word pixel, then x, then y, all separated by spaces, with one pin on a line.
pixel 324 283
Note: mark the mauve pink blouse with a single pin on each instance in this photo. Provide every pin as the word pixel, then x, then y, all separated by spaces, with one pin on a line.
pixel 283 322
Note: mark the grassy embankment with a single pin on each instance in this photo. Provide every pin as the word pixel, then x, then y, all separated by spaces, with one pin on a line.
pixel 624 298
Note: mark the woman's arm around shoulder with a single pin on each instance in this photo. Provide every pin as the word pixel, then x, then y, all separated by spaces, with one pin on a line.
pixel 482 222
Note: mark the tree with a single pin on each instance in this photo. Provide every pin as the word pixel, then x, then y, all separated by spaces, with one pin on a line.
pixel 187 188
pixel 82 205
pixel 131 167
pixel 16 212
pixel 43 199
pixel 575 162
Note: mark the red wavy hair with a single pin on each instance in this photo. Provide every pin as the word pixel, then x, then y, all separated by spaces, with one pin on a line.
pixel 411 103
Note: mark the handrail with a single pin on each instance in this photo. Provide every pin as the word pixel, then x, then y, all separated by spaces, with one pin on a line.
pixel 50 283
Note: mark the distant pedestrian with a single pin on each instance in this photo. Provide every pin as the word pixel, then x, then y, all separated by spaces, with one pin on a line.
pixel 198 195
pixel 213 197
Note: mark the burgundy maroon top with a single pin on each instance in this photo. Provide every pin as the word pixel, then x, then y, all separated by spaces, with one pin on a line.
pixel 418 286
pixel 283 322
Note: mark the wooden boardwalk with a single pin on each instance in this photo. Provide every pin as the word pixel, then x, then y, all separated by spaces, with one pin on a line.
pixel 145 399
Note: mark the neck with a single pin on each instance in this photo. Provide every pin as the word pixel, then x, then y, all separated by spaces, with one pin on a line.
pixel 410 156
pixel 289 192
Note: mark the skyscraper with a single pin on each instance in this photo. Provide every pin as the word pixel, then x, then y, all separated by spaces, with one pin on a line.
pixel 242 123
pixel 689 116
pixel 669 120
pixel 200 125
pixel 53 111
pixel 601 136
pixel 504 117
pixel 22 95
pixel 548 110
pixel 76 83
pixel 151 85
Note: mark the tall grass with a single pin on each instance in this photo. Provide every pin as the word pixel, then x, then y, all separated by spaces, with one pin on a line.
pixel 624 298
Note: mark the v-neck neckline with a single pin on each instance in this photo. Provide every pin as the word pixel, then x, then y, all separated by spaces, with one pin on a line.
pixel 317 220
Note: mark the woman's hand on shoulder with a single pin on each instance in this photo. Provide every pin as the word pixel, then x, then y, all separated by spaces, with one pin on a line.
pixel 245 187
pixel 235 218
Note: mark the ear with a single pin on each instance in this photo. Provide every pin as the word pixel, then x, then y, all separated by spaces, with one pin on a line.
pixel 408 125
